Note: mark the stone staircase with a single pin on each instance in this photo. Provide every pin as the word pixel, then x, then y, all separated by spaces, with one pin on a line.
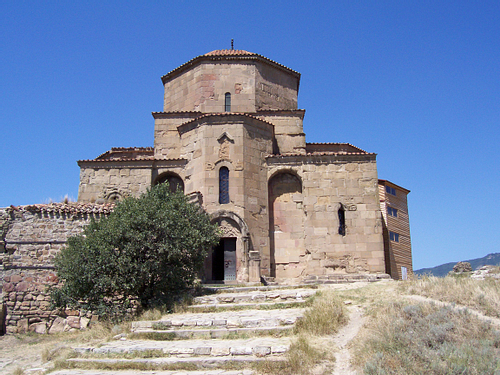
pixel 222 333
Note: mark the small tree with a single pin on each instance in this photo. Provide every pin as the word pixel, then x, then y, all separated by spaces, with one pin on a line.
pixel 148 249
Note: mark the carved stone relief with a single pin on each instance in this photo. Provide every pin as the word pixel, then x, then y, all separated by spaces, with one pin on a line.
pixel 224 149
pixel 228 229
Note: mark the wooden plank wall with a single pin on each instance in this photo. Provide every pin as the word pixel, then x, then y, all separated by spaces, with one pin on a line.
pixel 398 254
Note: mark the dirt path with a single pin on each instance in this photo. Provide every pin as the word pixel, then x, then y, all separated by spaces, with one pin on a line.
pixel 16 353
pixel 344 337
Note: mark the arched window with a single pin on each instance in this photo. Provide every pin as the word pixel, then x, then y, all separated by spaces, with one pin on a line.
pixel 227 102
pixel 341 213
pixel 223 185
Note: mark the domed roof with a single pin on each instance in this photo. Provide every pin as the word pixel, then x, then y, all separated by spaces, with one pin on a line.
pixel 227 54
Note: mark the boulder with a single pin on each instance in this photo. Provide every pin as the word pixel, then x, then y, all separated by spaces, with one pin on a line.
pixel 461 267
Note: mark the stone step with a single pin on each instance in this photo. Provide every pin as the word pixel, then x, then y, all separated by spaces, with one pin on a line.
pixel 345 278
pixel 257 347
pixel 232 319
pixel 274 296
pixel 219 333
pixel 210 289
pixel 134 372
pixel 243 306
pixel 166 363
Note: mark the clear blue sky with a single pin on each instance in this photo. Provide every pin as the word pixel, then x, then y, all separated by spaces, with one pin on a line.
pixel 417 82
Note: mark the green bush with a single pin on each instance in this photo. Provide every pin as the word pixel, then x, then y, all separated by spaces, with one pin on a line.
pixel 149 249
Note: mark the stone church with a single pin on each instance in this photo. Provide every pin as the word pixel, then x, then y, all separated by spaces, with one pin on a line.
pixel 231 135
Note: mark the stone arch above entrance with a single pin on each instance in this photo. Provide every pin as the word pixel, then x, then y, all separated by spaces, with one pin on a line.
pixel 219 215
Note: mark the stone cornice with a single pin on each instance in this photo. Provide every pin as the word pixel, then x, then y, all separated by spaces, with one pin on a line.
pixel 223 119
pixel 132 163
pixel 324 158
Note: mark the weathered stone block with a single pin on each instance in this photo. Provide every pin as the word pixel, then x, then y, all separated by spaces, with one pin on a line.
pixel 22 326
pixel 57 325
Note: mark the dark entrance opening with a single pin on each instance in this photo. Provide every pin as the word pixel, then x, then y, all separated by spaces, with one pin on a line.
pixel 224 260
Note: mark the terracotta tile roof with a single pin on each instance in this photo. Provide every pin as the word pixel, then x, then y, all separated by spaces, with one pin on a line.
pixel 285 112
pixel 223 114
pixel 131 149
pixel 227 54
pixel 292 154
pixel 177 113
pixel 333 147
pixel 280 110
pixel 148 158
pixel 71 208
pixel 118 152
pixel 123 154
pixel 117 159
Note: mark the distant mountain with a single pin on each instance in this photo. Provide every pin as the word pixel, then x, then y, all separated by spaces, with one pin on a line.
pixel 443 269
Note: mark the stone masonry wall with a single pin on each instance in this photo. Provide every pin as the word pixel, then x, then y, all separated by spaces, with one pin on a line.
pixel 203 88
pixel 329 183
pixel 100 182
pixel 31 236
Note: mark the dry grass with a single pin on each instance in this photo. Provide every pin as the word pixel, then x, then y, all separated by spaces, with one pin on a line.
pixel 325 316
pixel 481 295
pixel 151 314
pixel 301 358
pixel 18 371
pixel 424 339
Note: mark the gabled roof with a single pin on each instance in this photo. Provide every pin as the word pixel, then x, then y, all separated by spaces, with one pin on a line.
pixel 207 116
pixel 227 54
pixel 333 147
pixel 119 153
pixel 127 154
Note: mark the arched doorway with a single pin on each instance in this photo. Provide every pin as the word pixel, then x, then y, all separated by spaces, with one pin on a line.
pixel 228 261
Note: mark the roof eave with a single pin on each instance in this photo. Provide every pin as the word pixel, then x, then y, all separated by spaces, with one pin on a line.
pixel 198 59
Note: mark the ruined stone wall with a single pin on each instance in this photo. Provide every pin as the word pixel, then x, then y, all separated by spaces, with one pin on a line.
pixel 30 240
pixel 328 183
